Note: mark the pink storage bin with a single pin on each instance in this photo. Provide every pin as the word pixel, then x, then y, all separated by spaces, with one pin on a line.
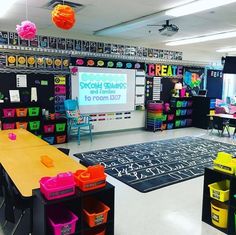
pixel 60 186
pixel 9 112
pixel 155 106
pixel 48 128
pixel 8 126
pixel 61 220
pixel 170 117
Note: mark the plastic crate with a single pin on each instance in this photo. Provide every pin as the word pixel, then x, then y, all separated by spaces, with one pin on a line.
pixel 60 186
pixel 178 112
pixel 34 126
pixel 33 111
pixel 184 104
pixel 61 220
pixel 60 127
pixel 189 122
pixel 8 126
pixel 170 126
pixel 190 103
pixel 220 190
pixel 178 104
pixel 21 125
pixel 177 123
pixel 219 214
pixel 9 112
pixel 60 139
pixel 90 179
pixel 164 126
pixel 21 112
pixel 171 117
pixel 189 112
pixel 183 112
pixel 95 212
pixel 49 139
pixel 49 128
pixel 183 123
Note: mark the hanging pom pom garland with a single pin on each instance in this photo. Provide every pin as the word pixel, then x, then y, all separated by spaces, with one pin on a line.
pixel 63 16
pixel 27 30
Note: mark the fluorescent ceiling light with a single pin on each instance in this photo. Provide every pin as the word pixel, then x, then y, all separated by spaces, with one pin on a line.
pixel 197 6
pixel 203 38
pixel 227 49
pixel 5 6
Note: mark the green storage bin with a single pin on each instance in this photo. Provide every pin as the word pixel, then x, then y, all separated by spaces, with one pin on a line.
pixel 178 112
pixel 34 126
pixel 164 117
pixel 60 127
pixel 177 123
pixel 178 104
pixel 33 111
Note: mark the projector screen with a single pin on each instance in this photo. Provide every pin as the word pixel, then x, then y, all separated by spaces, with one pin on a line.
pixel 102 90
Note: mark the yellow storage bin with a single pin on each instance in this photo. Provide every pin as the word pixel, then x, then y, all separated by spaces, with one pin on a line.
pixel 219 214
pixel 212 112
pixel 225 162
pixel 220 190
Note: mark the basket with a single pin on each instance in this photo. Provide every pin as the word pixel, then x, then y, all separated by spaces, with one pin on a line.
pixel 95 212
pixel 49 128
pixel 60 186
pixel 101 230
pixel 164 117
pixel 170 117
pixel 177 123
pixel 90 179
pixel 219 214
pixel 183 112
pixel 34 126
pixel 178 112
pixel 220 190
pixel 49 139
pixel 21 125
pixel 60 139
pixel 60 127
pixel 8 126
pixel 178 104
pixel 189 112
pixel 190 103
pixel 183 123
pixel 21 112
pixel 33 111
pixel 170 126
pixel 189 122
pixel 61 220
pixel 9 112
pixel 184 104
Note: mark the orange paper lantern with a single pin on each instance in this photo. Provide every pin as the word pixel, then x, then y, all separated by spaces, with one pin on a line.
pixel 63 16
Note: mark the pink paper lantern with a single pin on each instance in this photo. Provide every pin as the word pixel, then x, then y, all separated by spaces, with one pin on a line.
pixel 27 30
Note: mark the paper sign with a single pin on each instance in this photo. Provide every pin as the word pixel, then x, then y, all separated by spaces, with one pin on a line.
pixel 21 80
pixel 14 95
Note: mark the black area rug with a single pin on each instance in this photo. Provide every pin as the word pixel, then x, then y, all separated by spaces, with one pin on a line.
pixel 153 165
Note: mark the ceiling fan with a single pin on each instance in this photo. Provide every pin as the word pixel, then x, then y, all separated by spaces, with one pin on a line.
pixel 166 29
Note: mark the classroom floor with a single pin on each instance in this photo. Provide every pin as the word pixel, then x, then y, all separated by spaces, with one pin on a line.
pixel 173 210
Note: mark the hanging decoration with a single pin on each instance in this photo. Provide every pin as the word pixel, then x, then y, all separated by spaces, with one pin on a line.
pixel 27 30
pixel 63 16
pixel 74 70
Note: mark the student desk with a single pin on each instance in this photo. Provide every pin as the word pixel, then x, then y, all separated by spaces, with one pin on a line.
pixel 24 139
pixel 25 169
pixel 223 115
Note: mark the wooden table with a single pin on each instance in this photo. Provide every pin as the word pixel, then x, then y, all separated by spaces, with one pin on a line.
pixel 24 139
pixel 25 169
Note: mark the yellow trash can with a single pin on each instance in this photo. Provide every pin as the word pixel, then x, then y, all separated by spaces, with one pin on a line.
pixel 219 214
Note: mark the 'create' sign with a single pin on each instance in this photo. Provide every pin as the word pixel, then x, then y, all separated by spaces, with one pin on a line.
pixel 158 70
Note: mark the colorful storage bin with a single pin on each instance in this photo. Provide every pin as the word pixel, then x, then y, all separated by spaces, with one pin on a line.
pixel 189 112
pixel 184 104
pixel 60 127
pixel 33 111
pixel 49 139
pixel 8 126
pixel 61 220
pixel 183 112
pixel 178 104
pixel 60 139
pixel 164 126
pixel 21 112
pixel 90 179
pixel 95 212
pixel 49 128
pixel 170 126
pixel 164 117
pixel 178 112
pixel 171 117
pixel 21 125
pixel 34 125
pixel 101 230
pixel 60 186
pixel 183 123
pixel 177 123
pixel 219 214
pixel 189 122
pixel 9 112
pixel 220 190
pixel 190 103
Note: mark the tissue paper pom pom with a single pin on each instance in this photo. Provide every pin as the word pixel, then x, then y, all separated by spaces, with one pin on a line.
pixel 27 30
pixel 63 16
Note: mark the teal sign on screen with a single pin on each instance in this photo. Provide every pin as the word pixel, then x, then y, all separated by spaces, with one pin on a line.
pixel 102 88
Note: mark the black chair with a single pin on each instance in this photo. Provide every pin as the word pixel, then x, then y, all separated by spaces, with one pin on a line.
pixel 14 201
pixel 232 123
pixel 64 150
pixel 220 124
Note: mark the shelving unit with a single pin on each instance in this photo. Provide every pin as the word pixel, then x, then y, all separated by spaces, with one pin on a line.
pixel 202 106
pixel 53 137
pixel 180 114
pixel 212 176
pixel 75 204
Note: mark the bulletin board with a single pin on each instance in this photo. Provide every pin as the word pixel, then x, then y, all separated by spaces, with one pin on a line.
pixel 50 92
